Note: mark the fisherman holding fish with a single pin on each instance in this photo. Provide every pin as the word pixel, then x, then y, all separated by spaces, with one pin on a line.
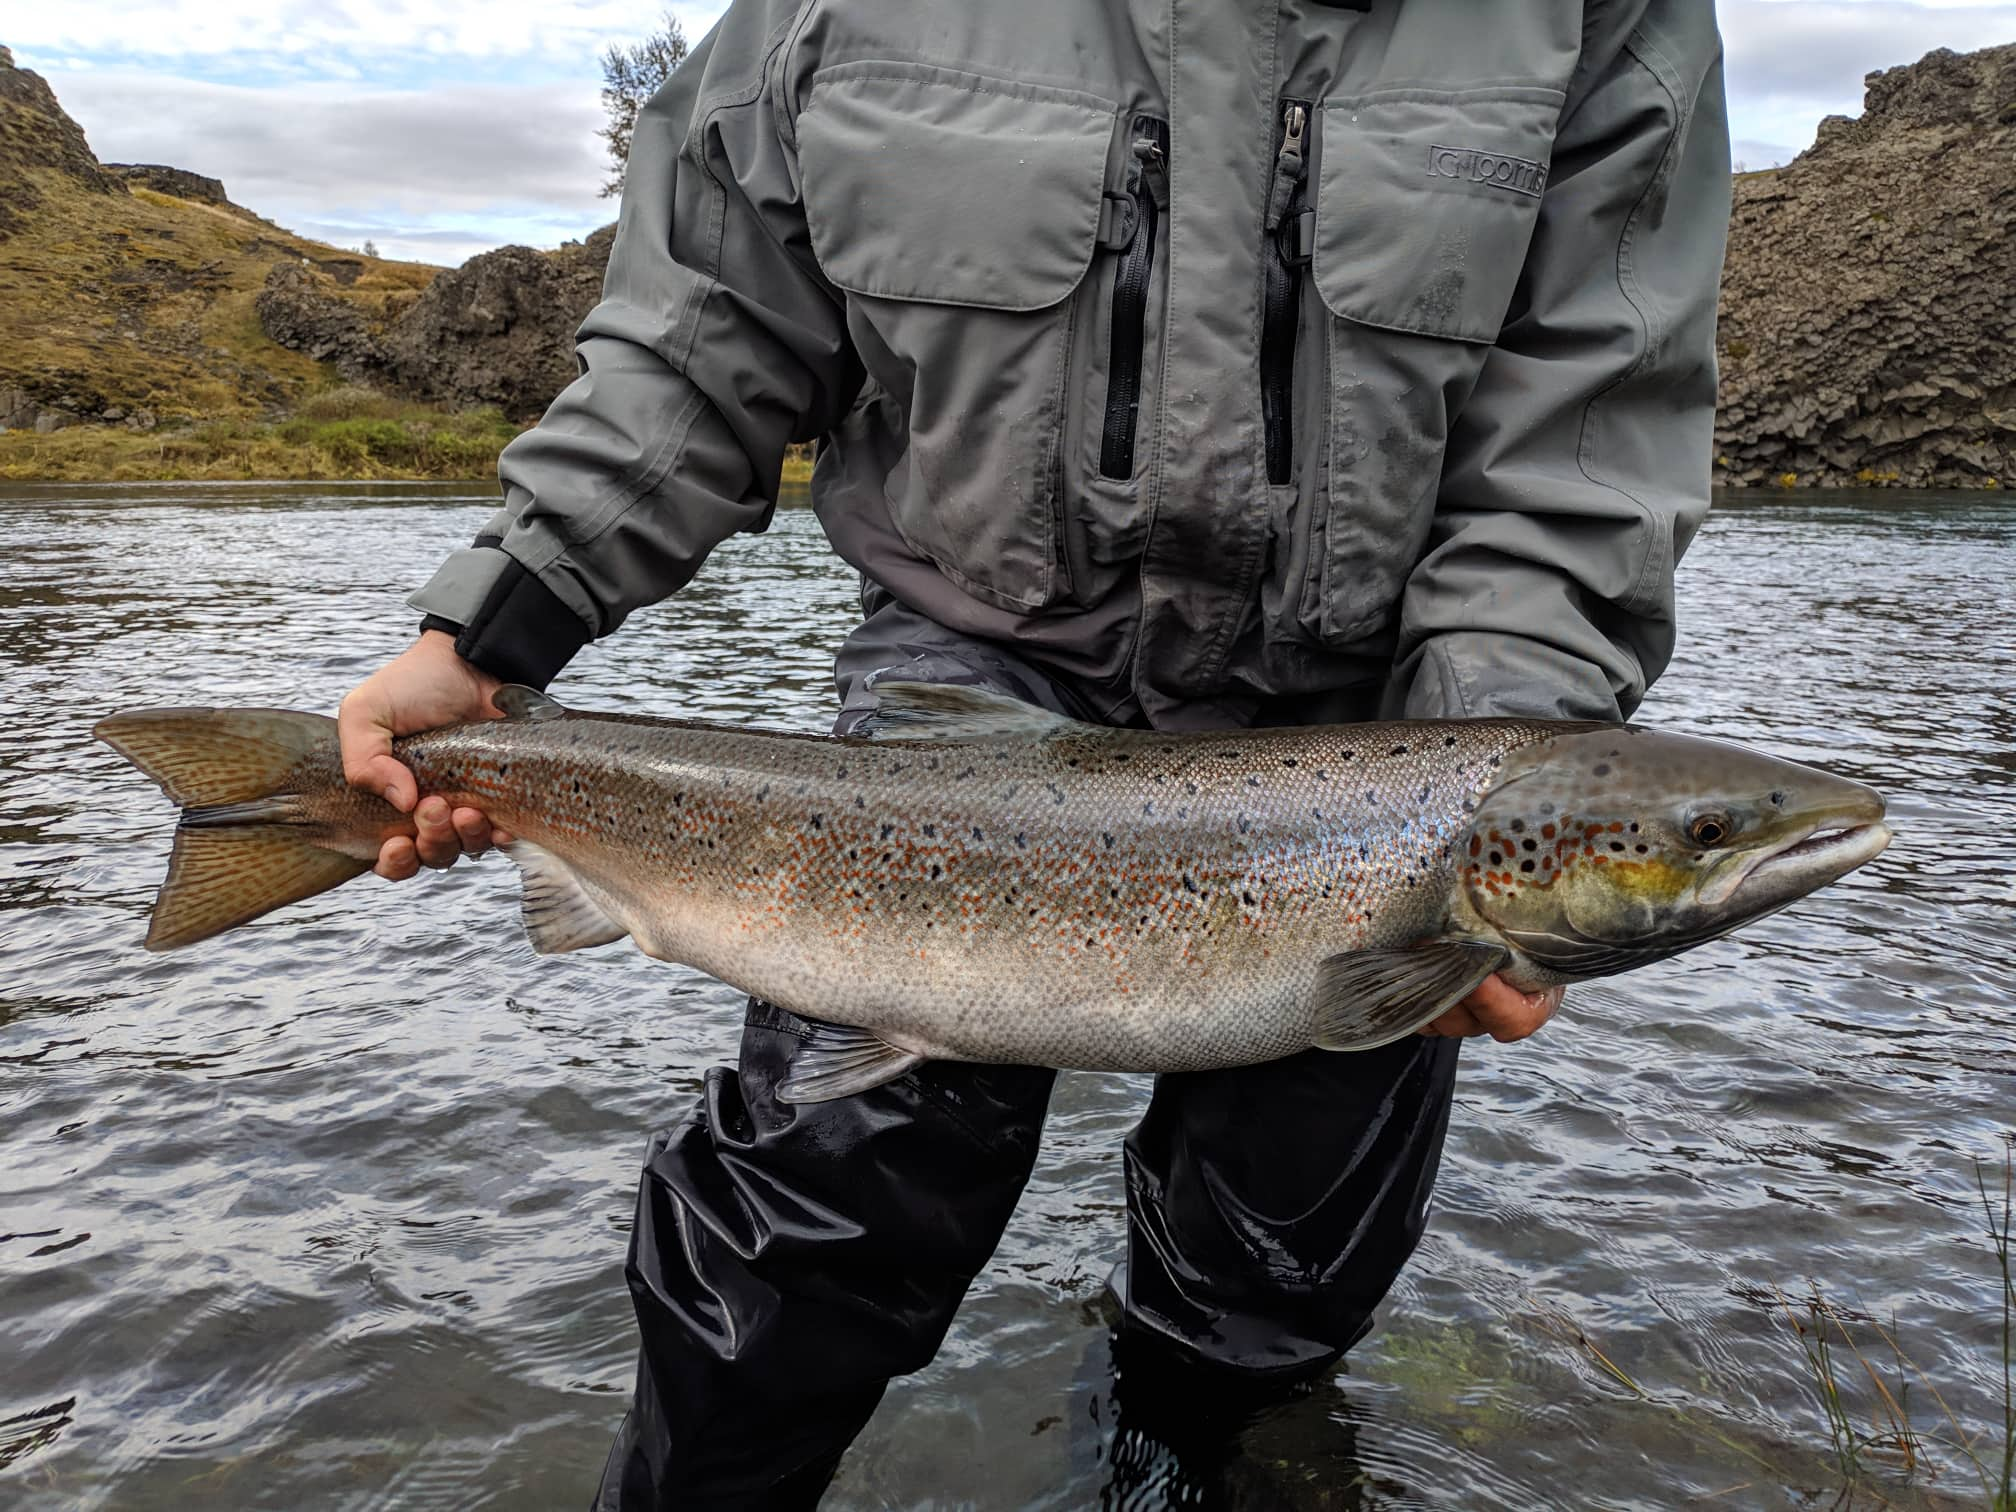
pixel 1194 368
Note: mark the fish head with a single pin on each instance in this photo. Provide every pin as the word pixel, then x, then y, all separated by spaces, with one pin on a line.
pixel 1599 850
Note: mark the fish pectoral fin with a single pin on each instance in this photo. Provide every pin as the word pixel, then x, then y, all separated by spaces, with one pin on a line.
pixel 559 915
pixel 839 1060
pixel 1369 998
pixel 954 711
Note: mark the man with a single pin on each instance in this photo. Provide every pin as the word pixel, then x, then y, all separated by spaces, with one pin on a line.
pixel 1191 364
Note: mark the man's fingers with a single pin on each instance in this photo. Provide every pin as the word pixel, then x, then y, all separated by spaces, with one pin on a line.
pixel 436 841
pixel 1458 1023
pixel 397 859
pixel 1507 1014
pixel 472 829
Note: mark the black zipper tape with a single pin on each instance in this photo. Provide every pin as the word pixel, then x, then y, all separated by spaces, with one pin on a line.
pixel 1132 276
pixel 1281 262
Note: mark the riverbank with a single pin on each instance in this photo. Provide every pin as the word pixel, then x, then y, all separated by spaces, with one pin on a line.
pixel 346 435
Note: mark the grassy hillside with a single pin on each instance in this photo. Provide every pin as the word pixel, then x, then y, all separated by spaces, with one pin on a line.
pixel 139 301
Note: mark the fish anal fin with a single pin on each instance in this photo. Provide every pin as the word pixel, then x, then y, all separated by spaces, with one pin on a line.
pixel 955 711
pixel 839 1061
pixel 559 914
pixel 1369 998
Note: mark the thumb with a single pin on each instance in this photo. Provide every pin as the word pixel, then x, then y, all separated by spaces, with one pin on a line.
pixel 364 731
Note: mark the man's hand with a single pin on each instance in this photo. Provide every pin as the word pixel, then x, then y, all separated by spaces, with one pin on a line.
pixel 1498 1009
pixel 422 688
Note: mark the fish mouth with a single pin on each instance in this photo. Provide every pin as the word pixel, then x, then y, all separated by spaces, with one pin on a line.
pixel 1828 851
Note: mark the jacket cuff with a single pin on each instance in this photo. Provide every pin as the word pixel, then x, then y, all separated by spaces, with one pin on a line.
pixel 511 625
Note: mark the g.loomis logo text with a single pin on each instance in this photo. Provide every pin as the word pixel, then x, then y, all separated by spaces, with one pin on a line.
pixel 1520 175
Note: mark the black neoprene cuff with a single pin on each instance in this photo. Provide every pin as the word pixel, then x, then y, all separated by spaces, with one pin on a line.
pixel 521 633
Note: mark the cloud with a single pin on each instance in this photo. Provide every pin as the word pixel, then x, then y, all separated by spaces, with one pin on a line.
pixel 1790 62
pixel 457 167
pixel 311 32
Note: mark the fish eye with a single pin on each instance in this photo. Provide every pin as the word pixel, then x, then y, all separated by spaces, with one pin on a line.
pixel 1710 829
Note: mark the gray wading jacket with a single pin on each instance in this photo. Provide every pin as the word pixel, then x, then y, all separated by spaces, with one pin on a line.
pixel 1230 360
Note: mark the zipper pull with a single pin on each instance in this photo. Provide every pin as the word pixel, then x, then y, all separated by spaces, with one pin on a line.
pixel 1153 170
pixel 1288 164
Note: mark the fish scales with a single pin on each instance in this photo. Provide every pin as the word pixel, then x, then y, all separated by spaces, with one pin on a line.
pixel 1100 900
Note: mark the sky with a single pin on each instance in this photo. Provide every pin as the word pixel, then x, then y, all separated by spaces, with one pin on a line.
pixel 437 129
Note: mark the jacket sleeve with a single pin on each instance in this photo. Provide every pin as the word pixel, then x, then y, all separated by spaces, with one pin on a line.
pixel 715 345
pixel 1578 470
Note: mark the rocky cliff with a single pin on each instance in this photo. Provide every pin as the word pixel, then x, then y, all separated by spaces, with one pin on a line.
pixel 499 330
pixel 127 296
pixel 1868 330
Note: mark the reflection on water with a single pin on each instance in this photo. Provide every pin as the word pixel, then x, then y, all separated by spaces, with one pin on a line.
pixel 330 1212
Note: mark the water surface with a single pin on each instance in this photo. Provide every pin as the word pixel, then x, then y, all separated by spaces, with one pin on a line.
pixel 331 1212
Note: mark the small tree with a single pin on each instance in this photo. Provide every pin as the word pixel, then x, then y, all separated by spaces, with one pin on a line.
pixel 370 249
pixel 631 75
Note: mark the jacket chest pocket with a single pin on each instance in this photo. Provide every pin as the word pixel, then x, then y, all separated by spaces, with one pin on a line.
pixel 1425 204
pixel 961 216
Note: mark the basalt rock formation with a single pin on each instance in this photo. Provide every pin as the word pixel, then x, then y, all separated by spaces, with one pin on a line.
pixel 1868 330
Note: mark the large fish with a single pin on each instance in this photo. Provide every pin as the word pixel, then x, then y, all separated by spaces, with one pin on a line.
pixel 976 879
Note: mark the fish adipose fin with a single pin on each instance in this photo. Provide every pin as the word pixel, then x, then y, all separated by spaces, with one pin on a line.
pixel 1369 998
pixel 839 1061
pixel 559 915
pixel 240 847
pixel 950 711
pixel 516 701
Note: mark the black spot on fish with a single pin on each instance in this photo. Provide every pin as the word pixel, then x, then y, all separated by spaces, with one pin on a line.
pixel 818 821
pixel 1289 761
pixel 1603 767
pixel 1245 824
pixel 887 831
pixel 1321 775
pixel 1188 884
pixel 860 802
pixel 1528 843
pixel 1107 836
pixel 1525 866
pixel 1148 809
pixel 1448 742
pixel 1189 787
pixel 968 773
pixel 1518 826
pixel 930 832
pixel 1089 942
pixel 1634 826
pixel 1641 850
pixel 1249 900
pixel 1056 793
pixel 937 871
pixel 1021 841
pixel 1497 859
pixel 1617 845
pixel 1398 750
pixel 976 833
pixel 842 772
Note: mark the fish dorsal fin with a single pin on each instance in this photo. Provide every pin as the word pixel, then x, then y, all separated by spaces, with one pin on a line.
pixel 839 1061
pixel 517 701
pixel 559 914
pixel 949 711
pixel 1369 998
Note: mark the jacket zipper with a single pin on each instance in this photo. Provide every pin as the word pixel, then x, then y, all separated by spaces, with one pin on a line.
pixel 1282 259
pixel 1148 183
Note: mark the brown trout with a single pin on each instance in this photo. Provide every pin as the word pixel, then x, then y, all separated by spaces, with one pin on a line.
pixel 976 879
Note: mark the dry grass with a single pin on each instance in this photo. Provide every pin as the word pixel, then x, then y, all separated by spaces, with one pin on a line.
pixel 337 433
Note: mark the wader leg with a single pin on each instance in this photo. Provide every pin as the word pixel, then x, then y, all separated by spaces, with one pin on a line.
pixel 1269 1208
pixel 786 1261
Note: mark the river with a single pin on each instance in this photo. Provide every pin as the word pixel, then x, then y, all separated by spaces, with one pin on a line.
pixel 331 1212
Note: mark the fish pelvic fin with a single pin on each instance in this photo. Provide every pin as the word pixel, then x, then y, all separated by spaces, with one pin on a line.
pixel 1369 998
pixel 242 848
pixel 952 711
pixel 558 911
pixel 839 1061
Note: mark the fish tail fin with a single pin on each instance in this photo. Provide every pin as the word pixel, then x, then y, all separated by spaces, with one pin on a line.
pixel 244 844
